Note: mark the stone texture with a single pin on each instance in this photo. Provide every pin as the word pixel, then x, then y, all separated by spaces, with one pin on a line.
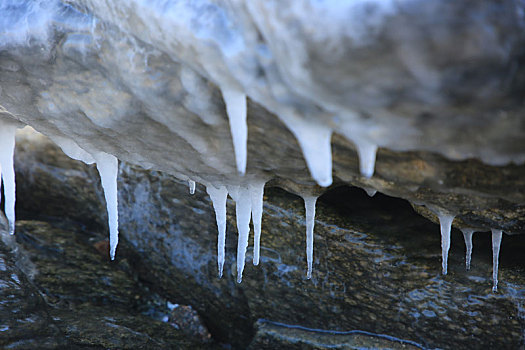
pixel 376 269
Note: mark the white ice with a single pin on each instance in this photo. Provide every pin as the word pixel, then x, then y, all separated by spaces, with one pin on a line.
pixel 191 185
pixel 235 102
pixel 315 142
pixel 367 158
pixel 496 244
pixel 7 171
pixel 467 234
pixel 256 194
pixel 309 203
pixel 243 210
pixel 370 192
pixel 218 197
pixel 107 166
pixel 445 223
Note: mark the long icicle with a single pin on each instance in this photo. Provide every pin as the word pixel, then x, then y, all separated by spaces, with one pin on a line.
pixel 445 223
pixel 243 211
pixel 235 102
pixel 467 234
pixel 218 198
pixel 257 194
pixel 496 244
pixel 7 170
pixel 309 203
pixel 107 166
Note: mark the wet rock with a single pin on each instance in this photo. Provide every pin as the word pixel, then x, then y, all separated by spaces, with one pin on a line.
pixel 376 268
pixel 60 293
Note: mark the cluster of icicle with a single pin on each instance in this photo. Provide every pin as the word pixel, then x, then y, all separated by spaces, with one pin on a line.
pixel 445 223
pixel 316 148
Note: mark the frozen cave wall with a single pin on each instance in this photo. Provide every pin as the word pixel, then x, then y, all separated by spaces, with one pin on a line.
pixel 418 100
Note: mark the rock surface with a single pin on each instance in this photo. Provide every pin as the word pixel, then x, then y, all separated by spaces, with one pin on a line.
pixel 377 266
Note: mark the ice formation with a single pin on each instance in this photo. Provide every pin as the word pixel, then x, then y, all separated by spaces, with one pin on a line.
pixel 235 102
pixel 467 234
pixel 367 158
pixel 370 191
pixel 107 166
pixel 309 204
pixel 445 223
pixel 496 243
pixel 7 171
pixel 256 195
pixel 218 197
pixel 243 212
pixel 191 185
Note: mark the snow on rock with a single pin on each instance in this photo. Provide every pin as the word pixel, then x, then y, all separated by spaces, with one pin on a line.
pixel 218 196
pixel 7 170
pixel 107 166
pixel 309 203
pixel 496 244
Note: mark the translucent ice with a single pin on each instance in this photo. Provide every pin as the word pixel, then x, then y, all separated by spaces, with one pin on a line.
pixel 367 158
pixel 191 185
pixel 218 197
pixel 243 209
pixel 496 243
pixel 7 171
pixel 256 194
pixel 445 222
pixel 309 203
pixel 370 192
pixel 235 102
pixel 107 166
pixel 467 234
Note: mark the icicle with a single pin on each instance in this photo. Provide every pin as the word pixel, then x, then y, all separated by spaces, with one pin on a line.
pixel 496 243
pixel 309 203
pixel 235 102
pixel 218 198
pixel 370 192
pixel 256 193
pixel 7 171
pixel 445 222
pixel 107 166
pixel 367 158
pixel 191 185
pixel 243 209
pixel 467 234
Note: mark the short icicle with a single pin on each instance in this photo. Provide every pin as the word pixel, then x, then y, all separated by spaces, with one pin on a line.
pixel 467 234
pixel 191 185
pixel 496 244
pixel 243 209
pixel 218 198
pixel 445 223
pixel 256 194
pixel 367 158
pixel 370 191
pixel 235 102
pixel 309 203
pixel 7 170
pixel 107 166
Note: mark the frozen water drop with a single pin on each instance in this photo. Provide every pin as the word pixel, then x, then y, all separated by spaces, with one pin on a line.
pixel 218 197
pixel 107 166
pixel 309 203
pixel 467 234
pixel 496 244
pixel 257 193
pixel 235 102
pixel 7 170
pixel 191 185
pixel 445 223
